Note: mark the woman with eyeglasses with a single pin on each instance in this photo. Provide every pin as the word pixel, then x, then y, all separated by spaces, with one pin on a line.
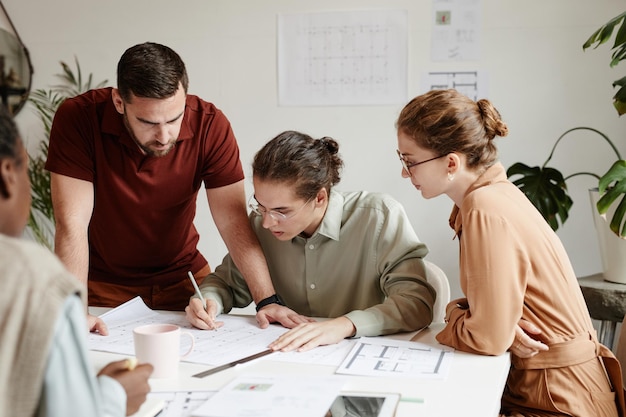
pixel 349 256
pixel 513 267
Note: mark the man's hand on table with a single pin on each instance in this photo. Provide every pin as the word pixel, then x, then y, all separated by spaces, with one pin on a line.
pixel 276 313
pixel 306 336
pixel 134 381
pixel 96 324
pixel 204 318
pixel 201 317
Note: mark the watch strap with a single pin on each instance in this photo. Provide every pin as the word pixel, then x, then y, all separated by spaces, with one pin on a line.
pixel 272 299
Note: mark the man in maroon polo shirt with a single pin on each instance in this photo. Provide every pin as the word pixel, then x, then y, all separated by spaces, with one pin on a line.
pixel 126 166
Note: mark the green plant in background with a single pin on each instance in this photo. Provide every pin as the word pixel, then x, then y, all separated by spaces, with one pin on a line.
pixel 601 36
pixel 546 187
pixel 46 102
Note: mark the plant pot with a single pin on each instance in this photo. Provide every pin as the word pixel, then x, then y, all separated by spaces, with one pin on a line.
pixel 612 248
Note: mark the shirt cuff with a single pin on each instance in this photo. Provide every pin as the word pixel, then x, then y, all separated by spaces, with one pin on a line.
pixel 365 323
pixel 214 297
pixel 113 396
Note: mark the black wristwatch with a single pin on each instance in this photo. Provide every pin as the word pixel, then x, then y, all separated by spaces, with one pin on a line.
pixel 272 299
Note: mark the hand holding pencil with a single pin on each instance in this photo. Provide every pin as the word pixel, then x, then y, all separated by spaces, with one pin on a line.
pixel 201 313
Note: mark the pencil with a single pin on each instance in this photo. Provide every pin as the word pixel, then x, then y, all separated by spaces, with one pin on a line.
pixel 195 285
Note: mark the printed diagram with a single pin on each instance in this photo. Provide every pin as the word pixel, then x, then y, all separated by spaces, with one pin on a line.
pixel 375 357
pixel 348 58
pixel 466 82
pixel 395 359
pixel 180 403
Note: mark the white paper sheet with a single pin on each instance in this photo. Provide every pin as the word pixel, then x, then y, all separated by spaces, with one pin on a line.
pixel 342 58
pixel 180 403
pixel 238 338
pixel 265 396
pixel 397 358
pixel 456 30
pixel 330 355
pixel 473 84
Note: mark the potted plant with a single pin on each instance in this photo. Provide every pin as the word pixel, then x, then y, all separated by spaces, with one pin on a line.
pixel 46 102
pixel 546 187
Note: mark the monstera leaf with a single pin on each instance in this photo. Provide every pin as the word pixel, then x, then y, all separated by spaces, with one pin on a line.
pixel 603 35
pixel 611 186
pixel 545 187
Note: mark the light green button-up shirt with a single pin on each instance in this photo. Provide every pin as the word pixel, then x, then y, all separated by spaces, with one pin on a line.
pixel 363 262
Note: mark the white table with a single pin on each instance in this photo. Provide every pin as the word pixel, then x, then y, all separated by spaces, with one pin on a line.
pixel 473 387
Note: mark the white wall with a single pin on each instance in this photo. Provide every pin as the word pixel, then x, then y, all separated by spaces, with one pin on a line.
pixel 539 78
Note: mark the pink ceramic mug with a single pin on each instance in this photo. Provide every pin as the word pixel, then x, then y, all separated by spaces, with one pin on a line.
pixel 159 345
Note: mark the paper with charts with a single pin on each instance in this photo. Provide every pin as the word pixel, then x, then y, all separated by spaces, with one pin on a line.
pixel 238 338
pixel 397 358
pixel 273 396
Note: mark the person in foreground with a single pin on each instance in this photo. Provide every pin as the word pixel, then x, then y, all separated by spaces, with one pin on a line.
pixel 349 256
pixel 512 265
pixel 126 166
pixel 44 364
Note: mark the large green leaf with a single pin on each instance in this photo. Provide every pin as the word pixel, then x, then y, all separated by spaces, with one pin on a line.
pixel 602 35
pixel 619 100
pixel 612 185
pixel 546 189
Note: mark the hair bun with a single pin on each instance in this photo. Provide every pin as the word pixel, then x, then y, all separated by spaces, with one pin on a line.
pixel 492 121
pixel 330 144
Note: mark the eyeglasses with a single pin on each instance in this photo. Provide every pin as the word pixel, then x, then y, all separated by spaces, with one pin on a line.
pixel 406 166
pixel 275 215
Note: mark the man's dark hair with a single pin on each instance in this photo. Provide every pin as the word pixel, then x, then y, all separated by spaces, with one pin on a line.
pixel 296 158
pixel 150 70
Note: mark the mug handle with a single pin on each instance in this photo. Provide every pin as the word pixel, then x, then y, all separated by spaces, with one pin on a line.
pixel 192 343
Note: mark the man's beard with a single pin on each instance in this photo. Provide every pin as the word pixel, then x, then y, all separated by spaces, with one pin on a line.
pixel 146 148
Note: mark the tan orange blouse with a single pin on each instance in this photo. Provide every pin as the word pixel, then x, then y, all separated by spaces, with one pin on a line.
pixel 513 266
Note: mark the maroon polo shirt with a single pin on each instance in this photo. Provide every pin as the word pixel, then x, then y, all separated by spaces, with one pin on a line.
pixel 142 230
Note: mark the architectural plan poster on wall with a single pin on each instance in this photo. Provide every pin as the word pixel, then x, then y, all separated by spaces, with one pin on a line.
pixel 473 84
pixel 342 58
pixel 456 30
